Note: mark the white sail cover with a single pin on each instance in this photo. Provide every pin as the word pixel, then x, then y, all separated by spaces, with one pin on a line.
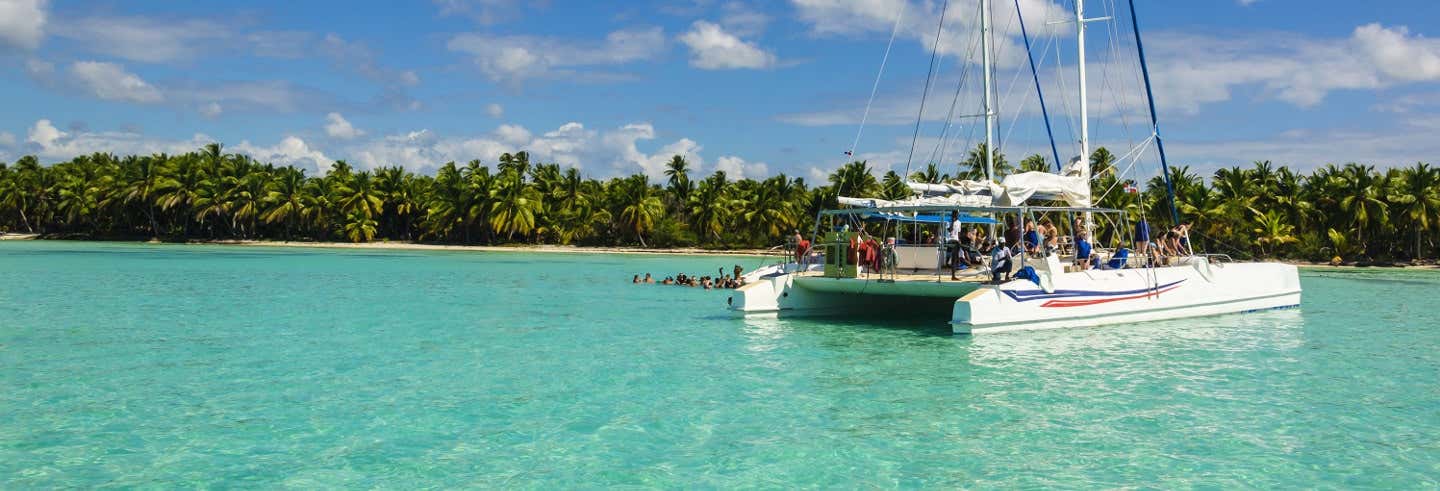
pixel 1073 189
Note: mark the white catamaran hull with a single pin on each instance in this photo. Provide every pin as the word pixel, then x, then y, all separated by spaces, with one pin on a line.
pixel 1093 298
pixel 1079 299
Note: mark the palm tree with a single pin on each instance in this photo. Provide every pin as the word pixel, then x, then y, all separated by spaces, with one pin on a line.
pixel 1272 230
pixel 287 199
pixel 1361 199
pixel 640 208
pixel 710 206
pixel 974 164
pixel 854 179
pixel 1418 194
pixel 1034 163
pixel 930 175
pixel 148 176
pixel 514 205
pixel 359 227
pixel 677 171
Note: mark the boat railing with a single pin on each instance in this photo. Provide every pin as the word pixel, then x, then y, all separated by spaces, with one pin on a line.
pixel 1217 258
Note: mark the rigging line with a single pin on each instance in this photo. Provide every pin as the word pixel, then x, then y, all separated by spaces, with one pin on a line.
pixel 1035 74
pixel 1124 102
pixel 934 51
pixel 1116 100
pixel 1070 122
pixel 876 87
pixel 1134 155
pixel 941 147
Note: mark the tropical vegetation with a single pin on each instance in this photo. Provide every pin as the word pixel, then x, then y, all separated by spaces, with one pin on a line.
pixel 1354 211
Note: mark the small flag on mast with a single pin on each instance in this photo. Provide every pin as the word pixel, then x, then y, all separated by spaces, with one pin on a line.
pixel 1130 188
pixel 849 153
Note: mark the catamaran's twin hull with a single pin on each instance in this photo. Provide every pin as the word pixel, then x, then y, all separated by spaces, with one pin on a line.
pixel 1079 299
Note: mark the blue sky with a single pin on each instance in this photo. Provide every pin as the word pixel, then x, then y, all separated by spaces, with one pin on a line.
pixel 754 88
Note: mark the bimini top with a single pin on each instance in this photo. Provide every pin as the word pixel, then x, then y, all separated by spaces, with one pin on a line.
pixel 877 216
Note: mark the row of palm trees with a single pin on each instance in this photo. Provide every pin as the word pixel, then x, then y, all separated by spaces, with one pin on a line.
pixel 1353 211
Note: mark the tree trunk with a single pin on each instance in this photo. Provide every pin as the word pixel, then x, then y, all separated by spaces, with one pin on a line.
pixel 25 220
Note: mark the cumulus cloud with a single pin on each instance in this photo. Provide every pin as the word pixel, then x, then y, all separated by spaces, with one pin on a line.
pixel 22 24
pixel 337 127
pixel 711 48
pixel 599 152
pixel 44 133
pixel 52 144
pixel 738 168
pixel 291 150
pixel 1398 54
pixel 512 59
pixel 494 110
pixel 111 82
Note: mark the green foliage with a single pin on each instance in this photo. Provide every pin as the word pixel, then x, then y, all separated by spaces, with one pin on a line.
pixel 1352 211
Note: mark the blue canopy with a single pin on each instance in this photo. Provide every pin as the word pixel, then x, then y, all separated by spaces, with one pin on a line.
pixel 936 219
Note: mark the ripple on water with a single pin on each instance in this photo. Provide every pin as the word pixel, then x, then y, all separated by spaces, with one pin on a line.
pixel 143 365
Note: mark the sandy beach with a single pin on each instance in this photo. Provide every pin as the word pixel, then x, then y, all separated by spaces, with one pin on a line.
pixel 474 248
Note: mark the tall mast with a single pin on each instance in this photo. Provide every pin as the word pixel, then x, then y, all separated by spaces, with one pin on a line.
pixel 989 103
pixel 1154 120
pixel 1084 103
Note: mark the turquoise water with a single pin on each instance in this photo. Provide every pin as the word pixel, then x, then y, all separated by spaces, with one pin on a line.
pixel 166 365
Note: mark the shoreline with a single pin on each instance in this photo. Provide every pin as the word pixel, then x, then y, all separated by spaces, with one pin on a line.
pixel 542 248
pixel 562 249
pixel 412 246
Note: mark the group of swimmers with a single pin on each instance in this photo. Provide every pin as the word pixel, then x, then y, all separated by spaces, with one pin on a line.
pixel 721 280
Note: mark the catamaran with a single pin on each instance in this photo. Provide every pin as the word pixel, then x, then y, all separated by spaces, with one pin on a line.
pixel 1044 286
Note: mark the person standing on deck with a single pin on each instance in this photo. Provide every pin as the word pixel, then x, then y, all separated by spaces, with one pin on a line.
pixel 1142 236
pixel 1012 233
pixel 1082 250
pixel 952 244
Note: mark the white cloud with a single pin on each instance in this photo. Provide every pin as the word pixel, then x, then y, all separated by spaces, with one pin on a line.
pixel 143 39
pixel 512 59
pixel 603 153
pixel 738 168
pixel 494 110
pixel 711 48
pixel 211 110
pixel 291 151
pixel 337 127
pixel 49 143
pixel 849 18
pixel 22 23
pixel 44 133
pixel 1399 55
pixel 1404 144
pixel 7 139
pixel 111 82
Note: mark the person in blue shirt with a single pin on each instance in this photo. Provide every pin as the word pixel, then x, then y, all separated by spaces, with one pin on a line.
pixel 1142 236
pixel 1083 257
pixel 1032 238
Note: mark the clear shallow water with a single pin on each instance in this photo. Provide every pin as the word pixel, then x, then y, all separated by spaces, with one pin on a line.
pixel 143 365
